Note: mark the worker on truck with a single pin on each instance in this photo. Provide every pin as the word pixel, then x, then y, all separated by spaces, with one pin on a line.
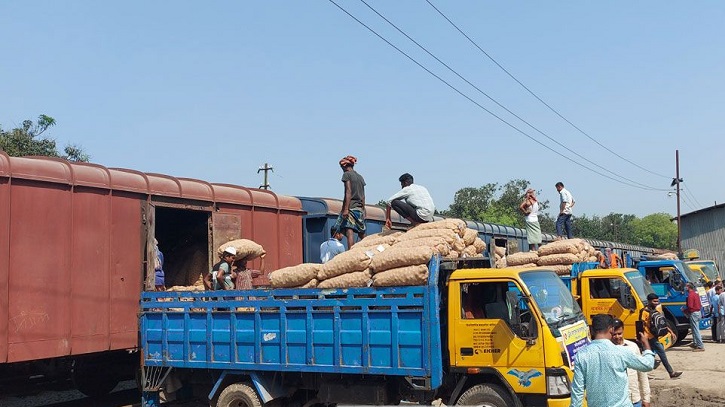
pixel 221 276
pixel 413 202
pixel 610 260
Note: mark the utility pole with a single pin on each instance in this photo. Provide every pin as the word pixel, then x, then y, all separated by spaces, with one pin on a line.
pixel 266 170
pixel 676 182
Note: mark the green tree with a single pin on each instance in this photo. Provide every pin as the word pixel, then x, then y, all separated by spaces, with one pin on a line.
pixel 655 230
pixel 26 140
pixel 492 203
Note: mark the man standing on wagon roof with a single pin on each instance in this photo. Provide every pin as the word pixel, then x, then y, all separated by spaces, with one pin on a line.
pixel 352 215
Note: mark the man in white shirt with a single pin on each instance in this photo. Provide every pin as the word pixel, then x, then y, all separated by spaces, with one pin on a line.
pixel 639 392
pixel 563 222
pixel 332 246
pixel 413 202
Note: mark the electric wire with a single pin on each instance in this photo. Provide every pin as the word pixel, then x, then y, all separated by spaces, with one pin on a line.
pixel 472 100
pixel 638 184
pixel 686 202
pixel 536 96
pixel 692 197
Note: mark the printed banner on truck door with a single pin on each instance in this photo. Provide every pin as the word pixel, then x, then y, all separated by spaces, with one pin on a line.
pixel 574 337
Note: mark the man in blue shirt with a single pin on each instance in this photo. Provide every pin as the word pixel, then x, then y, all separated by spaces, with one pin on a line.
pixel 332 247
pixel 601 368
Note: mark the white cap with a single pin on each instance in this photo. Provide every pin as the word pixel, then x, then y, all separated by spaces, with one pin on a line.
pixel 231 250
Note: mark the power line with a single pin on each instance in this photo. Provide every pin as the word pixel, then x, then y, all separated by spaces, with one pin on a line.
pixel 689 194
pixel 478 104
pixel 682 197
pixel 499 104
pixel 537 97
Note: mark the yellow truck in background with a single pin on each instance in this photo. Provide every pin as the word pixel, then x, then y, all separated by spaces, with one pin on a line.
pixel 620 292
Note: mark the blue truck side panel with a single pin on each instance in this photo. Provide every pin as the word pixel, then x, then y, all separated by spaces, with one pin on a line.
pixel 388 331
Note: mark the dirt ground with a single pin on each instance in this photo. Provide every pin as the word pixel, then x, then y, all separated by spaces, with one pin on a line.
pixel 702 384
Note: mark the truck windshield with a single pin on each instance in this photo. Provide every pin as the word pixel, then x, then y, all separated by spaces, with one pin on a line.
pixel 640 285
pixel 691 276
pixel 552 298
pixel 709 271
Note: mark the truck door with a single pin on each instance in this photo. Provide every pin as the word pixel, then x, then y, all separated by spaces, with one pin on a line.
pixel 602 295
pixel 483 335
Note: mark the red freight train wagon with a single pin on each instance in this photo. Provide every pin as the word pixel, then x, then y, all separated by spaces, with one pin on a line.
pixel 75 240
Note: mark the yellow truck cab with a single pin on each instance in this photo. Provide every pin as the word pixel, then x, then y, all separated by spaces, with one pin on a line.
pixel 515 334
pixel 620 292
pixel 706 268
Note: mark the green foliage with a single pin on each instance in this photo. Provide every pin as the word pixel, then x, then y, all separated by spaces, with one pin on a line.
pixel 492 203
pixel 26 141
pixel 655 230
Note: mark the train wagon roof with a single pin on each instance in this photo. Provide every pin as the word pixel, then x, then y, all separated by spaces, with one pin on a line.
pixel 60 171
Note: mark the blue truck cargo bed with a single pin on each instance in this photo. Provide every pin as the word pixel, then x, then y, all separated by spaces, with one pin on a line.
pixel 387 331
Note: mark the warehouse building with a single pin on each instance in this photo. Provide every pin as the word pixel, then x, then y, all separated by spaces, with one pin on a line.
pixel 704 230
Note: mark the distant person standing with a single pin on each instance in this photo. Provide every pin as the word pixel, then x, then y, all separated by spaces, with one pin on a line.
pixel 610 260
pixel 530 208
pixel 352 215
pixel 332 246
pixel 566 203
pixel 601 368
pixel 715 309
pixel 159 275
pixel 720 313
pixel 639 391
pixel 692 312
pixel 413 202
pixel 712 299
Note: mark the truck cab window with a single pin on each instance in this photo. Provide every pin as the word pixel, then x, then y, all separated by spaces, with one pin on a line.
pixel 484 301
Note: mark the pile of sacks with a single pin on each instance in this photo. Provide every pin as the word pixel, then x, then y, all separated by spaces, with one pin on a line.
pixel 557 256
pixel 387 259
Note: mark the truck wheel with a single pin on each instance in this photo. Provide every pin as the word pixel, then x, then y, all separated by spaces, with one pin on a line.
pixel 93 378
pixel 486 395
pixel 239 395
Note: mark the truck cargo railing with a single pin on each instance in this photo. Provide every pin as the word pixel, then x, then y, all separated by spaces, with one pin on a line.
pixel 389 331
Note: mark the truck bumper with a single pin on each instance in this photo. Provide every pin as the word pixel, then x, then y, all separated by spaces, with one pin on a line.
pixel 558 402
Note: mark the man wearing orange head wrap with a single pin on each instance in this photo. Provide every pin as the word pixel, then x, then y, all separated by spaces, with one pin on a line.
pixel 352 215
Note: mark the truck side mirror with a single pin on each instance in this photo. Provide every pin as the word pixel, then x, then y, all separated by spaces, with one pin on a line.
pixel 627 300
pixel 523 329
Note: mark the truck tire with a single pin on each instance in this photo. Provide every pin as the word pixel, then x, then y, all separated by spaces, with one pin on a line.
pixel 239 395
pixel 92 377
pixel 486 395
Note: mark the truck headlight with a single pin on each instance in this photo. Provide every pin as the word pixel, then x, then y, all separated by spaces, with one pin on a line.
pixel 557 383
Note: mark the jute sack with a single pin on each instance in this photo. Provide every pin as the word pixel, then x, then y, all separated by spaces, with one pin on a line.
pixel 500 250
pixel 479 244
pixel 354 279
pixel 520 258
pixel 469 236
pixel 377 239
pixel 562 246
pixel 396 257
pixel 455 225
pixel 436 243
pixel 246 249
pixel 294 276
pixel 346 262
pixel 450 236
pixel 500 263
pixel 402 276
pixel 453 255
pixel 561 258
pixel 559 269
pixel 524 266
pixel 458 245
pixel 310 284
pixel 469 251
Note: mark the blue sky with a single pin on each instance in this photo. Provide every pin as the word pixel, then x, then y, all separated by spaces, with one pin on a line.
pixel 213 90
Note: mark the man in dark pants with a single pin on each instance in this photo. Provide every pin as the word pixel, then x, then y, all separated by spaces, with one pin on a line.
pixel 710 287
pixel 413 202
pixel 653 304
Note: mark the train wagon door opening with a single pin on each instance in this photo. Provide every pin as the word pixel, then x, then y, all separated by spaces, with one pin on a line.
pixel 183 238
